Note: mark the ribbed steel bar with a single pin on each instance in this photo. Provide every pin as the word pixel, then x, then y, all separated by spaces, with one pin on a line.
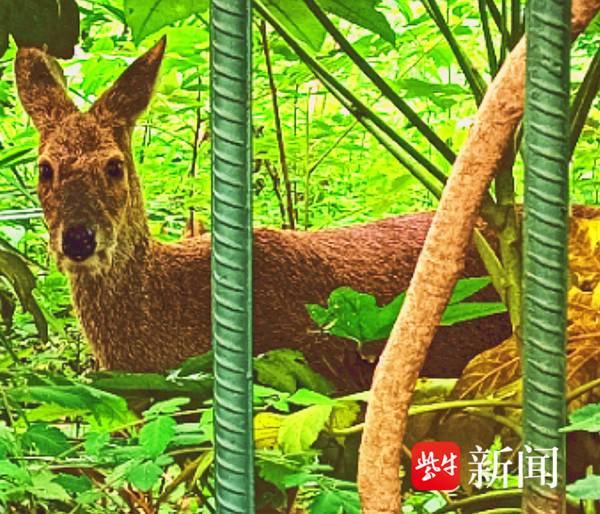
pixel 546 132
pixel 232 253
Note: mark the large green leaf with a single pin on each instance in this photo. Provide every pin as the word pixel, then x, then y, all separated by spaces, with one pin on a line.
pixel 144 475
pixel 300 430
pixel 15 270
pixel 587 488
pixel 105 409
pixel 586 418
pixel 156 435
pixel 287 370
pixel 356 316
pixel 148 16
pixel 298 20
pixel 48 440
pixel 362 13
pixel 53 24
pixel 336 502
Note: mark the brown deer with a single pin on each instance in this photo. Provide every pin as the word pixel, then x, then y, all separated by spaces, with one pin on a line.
pixel 145 305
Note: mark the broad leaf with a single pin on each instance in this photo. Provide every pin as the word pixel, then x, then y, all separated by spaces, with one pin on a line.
pixel 156 435
pixel 300 430
pixel 53 24
pixel 105 409
pixel 14 268
pixel 298 20
pixel 354 315
pixel 144 475
pixel 587 488
pixel 362 13
pixel 336 502
pixel 48 440
pixel 586 418
pixel 287 370
pixel 148 16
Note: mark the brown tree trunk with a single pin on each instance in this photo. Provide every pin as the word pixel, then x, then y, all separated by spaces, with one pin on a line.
pixel 439 265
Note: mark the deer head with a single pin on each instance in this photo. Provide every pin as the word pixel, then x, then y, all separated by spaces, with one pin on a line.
pixel 88 187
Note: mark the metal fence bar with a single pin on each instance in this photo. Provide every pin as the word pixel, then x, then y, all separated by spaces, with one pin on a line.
pixel 546 131
pixel 232 253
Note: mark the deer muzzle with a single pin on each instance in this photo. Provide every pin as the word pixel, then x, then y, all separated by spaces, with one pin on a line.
pixel 78 242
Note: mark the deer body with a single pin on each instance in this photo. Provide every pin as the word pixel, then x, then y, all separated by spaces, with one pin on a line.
pixel 144 305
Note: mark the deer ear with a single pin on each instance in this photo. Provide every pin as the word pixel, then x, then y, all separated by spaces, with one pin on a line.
pixel 130 95
pixel 41 88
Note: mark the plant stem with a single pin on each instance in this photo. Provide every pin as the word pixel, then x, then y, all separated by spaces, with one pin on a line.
pixel 278 128
pixel 476 83
pixel 583 101
pixel 380 83
pixel 355 106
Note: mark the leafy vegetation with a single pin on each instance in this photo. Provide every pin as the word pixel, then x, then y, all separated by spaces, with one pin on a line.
pixel 375 99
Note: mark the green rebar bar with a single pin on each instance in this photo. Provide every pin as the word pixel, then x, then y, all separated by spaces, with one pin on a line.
pixel 546 133
pixel 231 81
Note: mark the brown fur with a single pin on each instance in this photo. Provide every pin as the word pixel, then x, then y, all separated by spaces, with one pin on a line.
pixel 145 306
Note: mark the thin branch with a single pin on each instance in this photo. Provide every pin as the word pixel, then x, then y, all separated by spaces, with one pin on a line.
pixel 476 83
pixel 583 100
pixel 350 101
pixel 380 83
pixel 489 42
pixel 278 128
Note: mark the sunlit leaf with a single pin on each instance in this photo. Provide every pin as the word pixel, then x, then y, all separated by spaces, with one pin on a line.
pixel 145 17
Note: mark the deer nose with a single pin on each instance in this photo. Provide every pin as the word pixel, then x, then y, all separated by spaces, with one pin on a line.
pixel 78 242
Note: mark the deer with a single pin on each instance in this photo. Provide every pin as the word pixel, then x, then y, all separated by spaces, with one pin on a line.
pixel 144 305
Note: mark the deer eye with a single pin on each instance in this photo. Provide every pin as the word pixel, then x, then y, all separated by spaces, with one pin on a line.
pixel 114 168
pixel 46 172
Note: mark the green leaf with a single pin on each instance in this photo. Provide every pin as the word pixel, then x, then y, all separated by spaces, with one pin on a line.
pixel 300 430
pixel 3 28
pixel 50 23
pixel 15 269
pixel 107 410
pixel 470 310
pixel 586 418
pixel 145 17
pixel 467 287
pixel 48 440
pixel 307 397
pixel 144 475
pixel 298 20
pixel 74 484
pixel 95 442
pixel 355 315
pixel 587 488
pixel 336 502
pixel 197 364
pixel 166 407
pixel 156 435
pixel 44 487
pixel 13 472
pixel 362 13
pixel 287 370
pixel 200 387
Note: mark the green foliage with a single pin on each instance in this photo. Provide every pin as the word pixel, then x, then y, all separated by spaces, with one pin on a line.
pixel 50 23
pixel 587 488
pixel 147 16
pixel 585 418
pixel 357 316
pixel 73 440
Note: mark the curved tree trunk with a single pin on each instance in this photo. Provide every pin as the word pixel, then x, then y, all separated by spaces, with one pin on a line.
pixel 439 265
